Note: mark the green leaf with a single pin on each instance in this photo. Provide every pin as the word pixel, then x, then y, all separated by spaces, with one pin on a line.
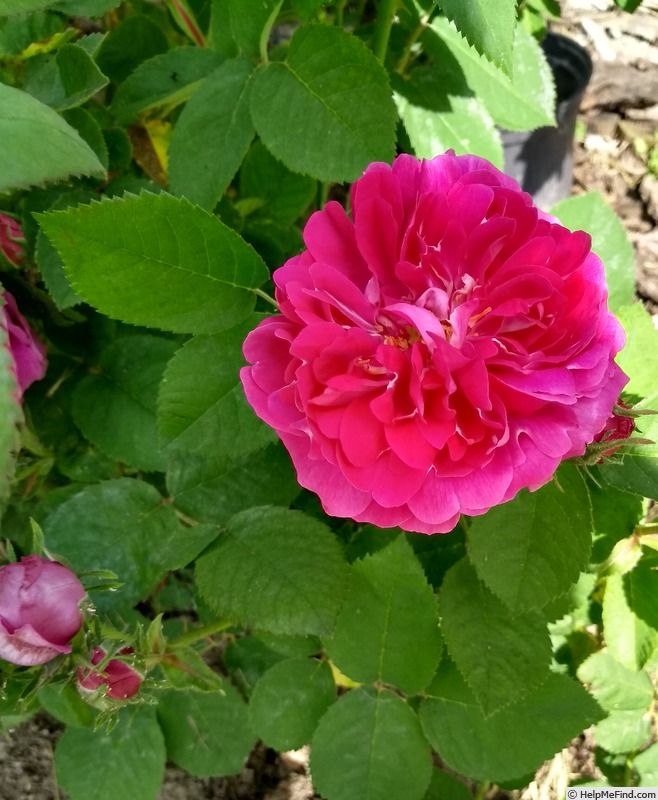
pixel 370 747
pixel 10 8
pixel 202 408
pixel 444 786
pixel 85 8
pixel 207 733
pixel 249 22
pixel 640 586
pixel 169 78
pixel 157 260
pixel 614 686
pixel 64 80
pixel 201 166
pixel 387 629
pixel 488 25
pixel 275 569
pixel 90 131
pixel 122 525
pixel 646 764
pixel 135 39
pixel 339 113
pixel 511 743
pixel 623 731
pixel 464 127
pixel 639 357
pixel 502 655
pixel 531 550
pixel 65 704
pixel 589 212
pixel 38 146
pixel 628 5
pixel 92 763
pixel 289 700
pixel 114 407
pixel 523 99
pixel 184 668
pixel 629 639
pixel 213 487
pixel 286 195
pixel 615 514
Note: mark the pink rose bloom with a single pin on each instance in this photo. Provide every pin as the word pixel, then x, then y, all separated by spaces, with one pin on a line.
pixel 444 349
pixel 39 613
pixel 10 237
pixel 27 351
pixel 121 679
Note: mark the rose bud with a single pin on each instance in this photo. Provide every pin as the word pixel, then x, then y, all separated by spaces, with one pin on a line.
pixel 27 351
pixel 444 347
pixel 10 237
pixel 121 680
pixel 617 428
pixel 39 610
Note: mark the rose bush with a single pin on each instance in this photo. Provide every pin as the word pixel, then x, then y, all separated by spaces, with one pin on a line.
pixel 27 351
pixel 447 347
pixel 121 680
pixel 39 610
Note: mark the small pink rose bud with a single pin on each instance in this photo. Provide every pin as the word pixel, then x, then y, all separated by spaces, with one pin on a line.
pixel 617 428
pixel 10 237
pixel 27 351
pixel 122 680
pixel 39 613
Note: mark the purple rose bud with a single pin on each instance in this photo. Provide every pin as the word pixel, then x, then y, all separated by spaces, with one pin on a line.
pixel 28 352
pixel 39 612
pixel 11 236
pixel 122 680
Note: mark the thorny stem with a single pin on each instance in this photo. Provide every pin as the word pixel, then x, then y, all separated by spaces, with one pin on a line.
pixel 200 633
pixel 383 25
pixel 266 297
pixel 403 63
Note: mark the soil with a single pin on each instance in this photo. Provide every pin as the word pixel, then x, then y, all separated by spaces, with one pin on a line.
pixel 618 125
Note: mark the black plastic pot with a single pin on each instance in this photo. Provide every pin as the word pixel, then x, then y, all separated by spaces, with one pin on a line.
pixel 542 160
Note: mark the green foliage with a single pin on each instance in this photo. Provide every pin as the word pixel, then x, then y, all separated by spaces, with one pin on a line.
pixel 615 687
pixel 488 25
pixel 275 569
pixel 530 551
pixel 66 81
pixel 629 639
pixel 39 146
pixel 370 745
pixel 200 274
pixel 123 526
pixel 387 629
pixel 339 111
pixel 501 654
pixel 289 700
pixel 514 741
pixel 166 79
pixel 131 755
pixel 520 99
pixel 206 733
pixel 201 167
pixel 114 406
pixel 639 358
